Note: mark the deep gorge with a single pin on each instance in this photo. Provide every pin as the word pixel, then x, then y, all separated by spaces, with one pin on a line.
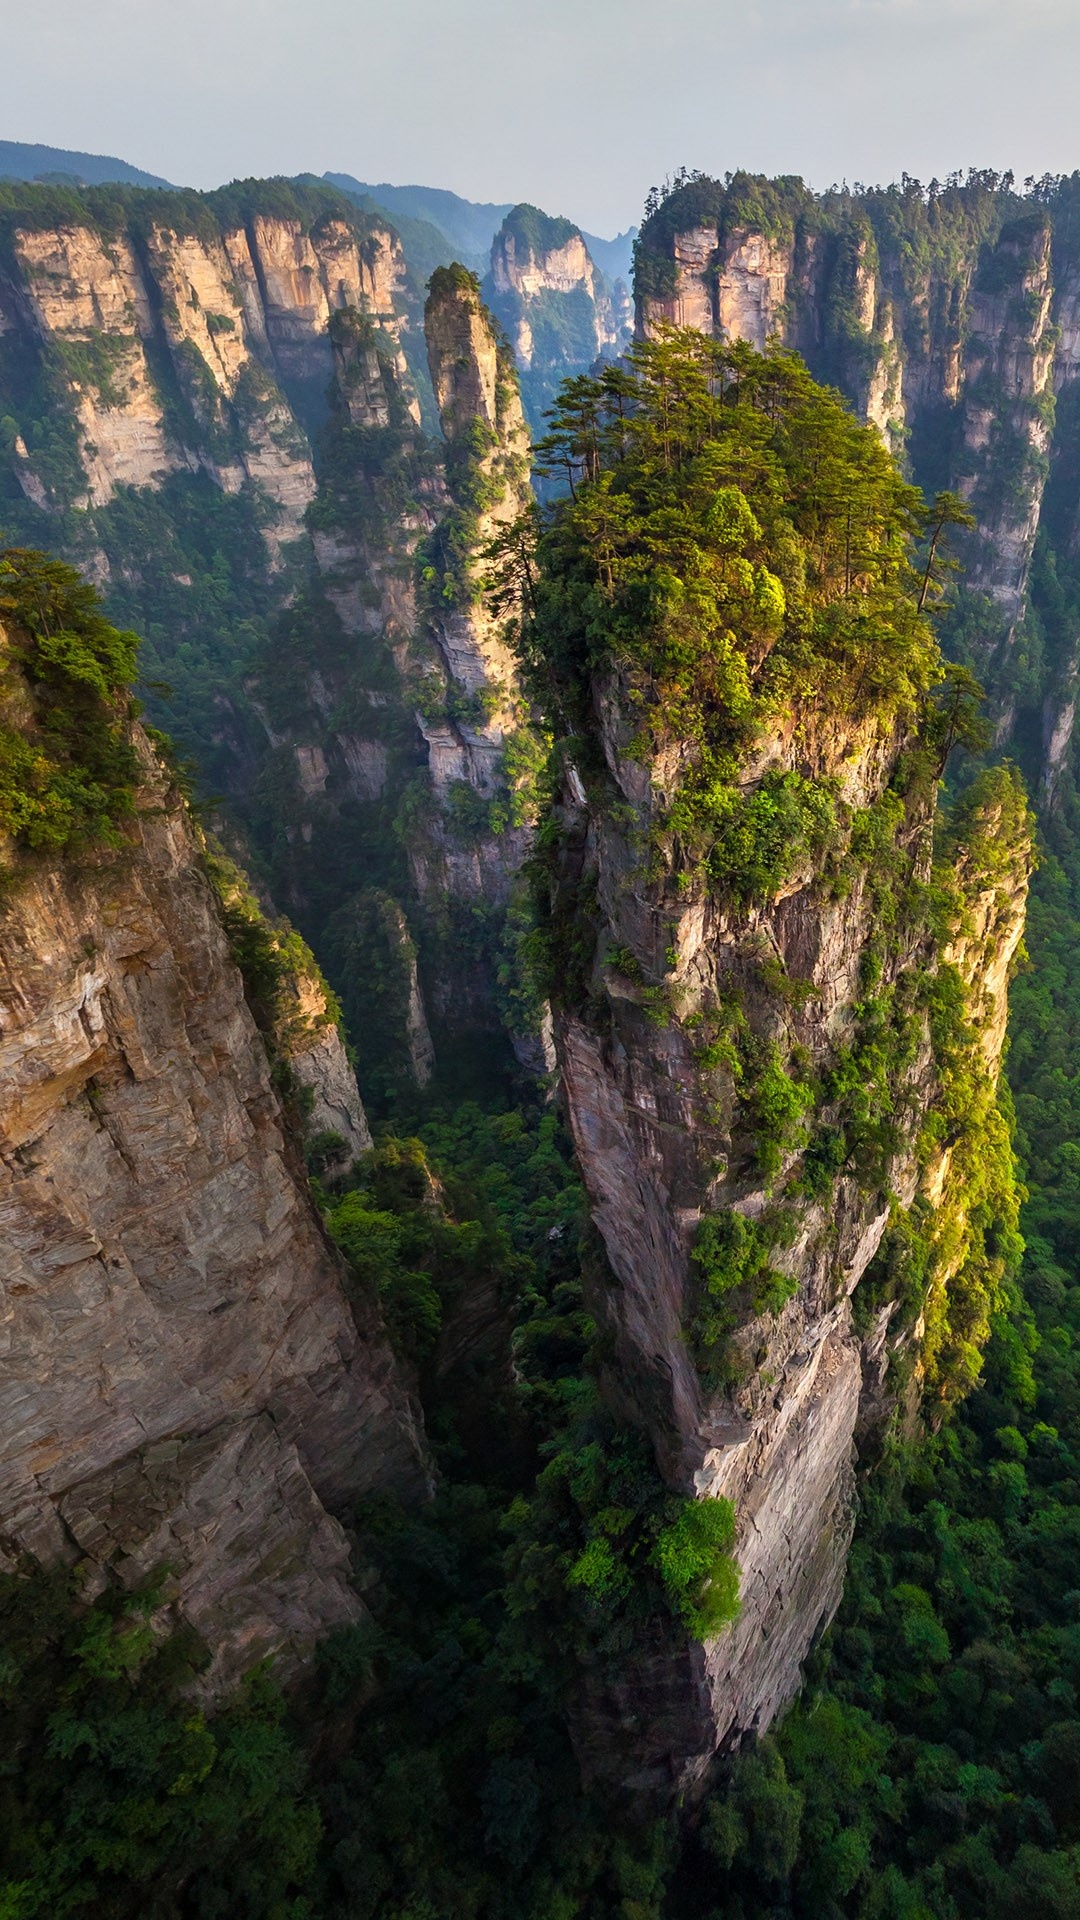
pixel 660 874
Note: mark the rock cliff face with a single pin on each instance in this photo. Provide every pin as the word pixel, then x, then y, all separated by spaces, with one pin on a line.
pixel 300 1020
pixel 487 469
pixel 737 289
pixel 321 1068
pixel 756 1058
pixel 215 409
pixel 558 310
pixel 184 1388
pixel 487 474
pixel 173 340
pixel 537 258
pixel 660 1148
pixel 75 291
pixel 662 1144
pixel 402 710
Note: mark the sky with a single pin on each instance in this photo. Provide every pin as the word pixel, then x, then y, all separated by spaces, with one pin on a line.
pixel 576 105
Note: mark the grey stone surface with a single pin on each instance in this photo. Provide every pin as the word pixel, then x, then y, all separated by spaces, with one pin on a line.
pixel 181 1377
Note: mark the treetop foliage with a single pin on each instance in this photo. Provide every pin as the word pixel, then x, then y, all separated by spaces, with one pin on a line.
pixel 916 231
pixel 112 209
pixel 446 281
pixel 537 232
pixel 67 766
pixel 732 541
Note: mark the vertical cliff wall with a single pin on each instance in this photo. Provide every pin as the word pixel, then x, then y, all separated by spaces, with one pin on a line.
pixel 487 476
pixel 398 747
pixel 185 1392
pixel 559 312
pixel 765 986
pixel 164 366
pixel 168 335
pixel 211 405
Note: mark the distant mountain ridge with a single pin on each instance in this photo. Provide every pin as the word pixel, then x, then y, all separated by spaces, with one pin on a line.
pixel 559 310
pixel 563 314
pixel 20 160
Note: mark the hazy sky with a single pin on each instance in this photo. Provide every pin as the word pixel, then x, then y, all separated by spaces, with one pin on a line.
pixel 578 105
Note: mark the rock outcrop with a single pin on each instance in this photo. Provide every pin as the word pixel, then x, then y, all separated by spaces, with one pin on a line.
pixel 406 713
pixel 321 1068
pixel 557 309
pixel 757 1056
pixel 193 337
pixel 300 1018
pixel 175 367
pixel 487 478
pixel 170 362
pixel 662 1146
pixel 950 317
pixel 185 1392
pixel 87 302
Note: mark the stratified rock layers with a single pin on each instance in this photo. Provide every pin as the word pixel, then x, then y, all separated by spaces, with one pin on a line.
pixel 661 1146
pixel 183 1387
pixel 171 343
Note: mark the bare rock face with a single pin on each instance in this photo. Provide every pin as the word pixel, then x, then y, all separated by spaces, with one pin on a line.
pixel 305 276
pixel 448 647
pixel 487 454
pixel 661 1142
pixel 221 356
pixel 310 1039
pixel 372 380
pixel 200 337
pixel 1008 374
pixel 548 293
pixel 323 1070
pixel 80 292
pixel 420 668
pixel 226 316
pixel 463 355
pixel 183 1384
pixel 735 287
pixel 368 562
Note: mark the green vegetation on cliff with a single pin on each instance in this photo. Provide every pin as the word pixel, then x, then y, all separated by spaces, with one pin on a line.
pixel 187 559
pixel 929 1773
pixel 742 200
pixel 924 239
pixel 68 770
pixel 536 232
pixel 119 1796
pixel 734 546
pixel 732 580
